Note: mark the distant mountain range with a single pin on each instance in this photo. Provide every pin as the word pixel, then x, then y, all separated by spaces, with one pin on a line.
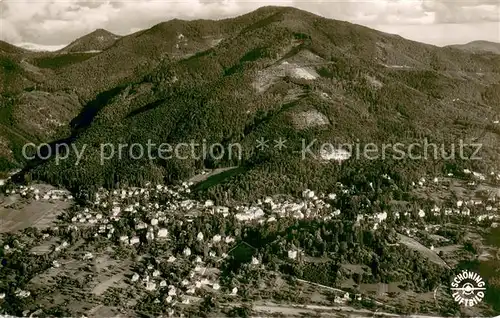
pixel 40 48
pixel 479 47
pixel 101 39
pixel 98 40
pixel 275 72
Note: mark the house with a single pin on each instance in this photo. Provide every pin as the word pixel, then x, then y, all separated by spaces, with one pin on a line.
pixel 421 213
pixel 199 237
pixel 88 256
pixel 134 240
pixel 338 300
pixel 292 254
pixel 150 286
pixel 380 217
pixel 172 291
pixel 172 259
pixel 308 194
pixel 162 233
pixel 22 293
pixel 135 277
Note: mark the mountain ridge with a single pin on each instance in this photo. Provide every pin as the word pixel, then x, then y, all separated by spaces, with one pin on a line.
pixel 366 83
pixel 479 46
pixel 97 40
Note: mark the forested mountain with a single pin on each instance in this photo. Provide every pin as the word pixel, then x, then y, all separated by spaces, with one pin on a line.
pixel 479 47
pixel 275 72
pixel 96 41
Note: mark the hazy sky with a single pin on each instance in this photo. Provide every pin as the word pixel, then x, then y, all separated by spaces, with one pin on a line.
pixel 58 22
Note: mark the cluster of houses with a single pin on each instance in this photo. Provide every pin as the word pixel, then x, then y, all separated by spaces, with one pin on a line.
pixel 490 204
pixel 153 208
pixel 200 278
pixel 144 206
pixel 35 193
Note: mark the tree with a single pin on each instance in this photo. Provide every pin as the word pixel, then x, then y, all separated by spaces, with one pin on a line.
pixel 243 311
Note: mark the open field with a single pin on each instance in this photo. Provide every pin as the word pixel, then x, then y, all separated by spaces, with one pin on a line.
pixel 35 214
pixel 208 174
pixel 431 255
pixel 17 214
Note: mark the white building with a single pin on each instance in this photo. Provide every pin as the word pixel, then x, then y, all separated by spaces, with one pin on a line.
pixel 292 254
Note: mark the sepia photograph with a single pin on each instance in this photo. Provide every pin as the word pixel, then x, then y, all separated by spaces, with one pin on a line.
pixel 245 158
